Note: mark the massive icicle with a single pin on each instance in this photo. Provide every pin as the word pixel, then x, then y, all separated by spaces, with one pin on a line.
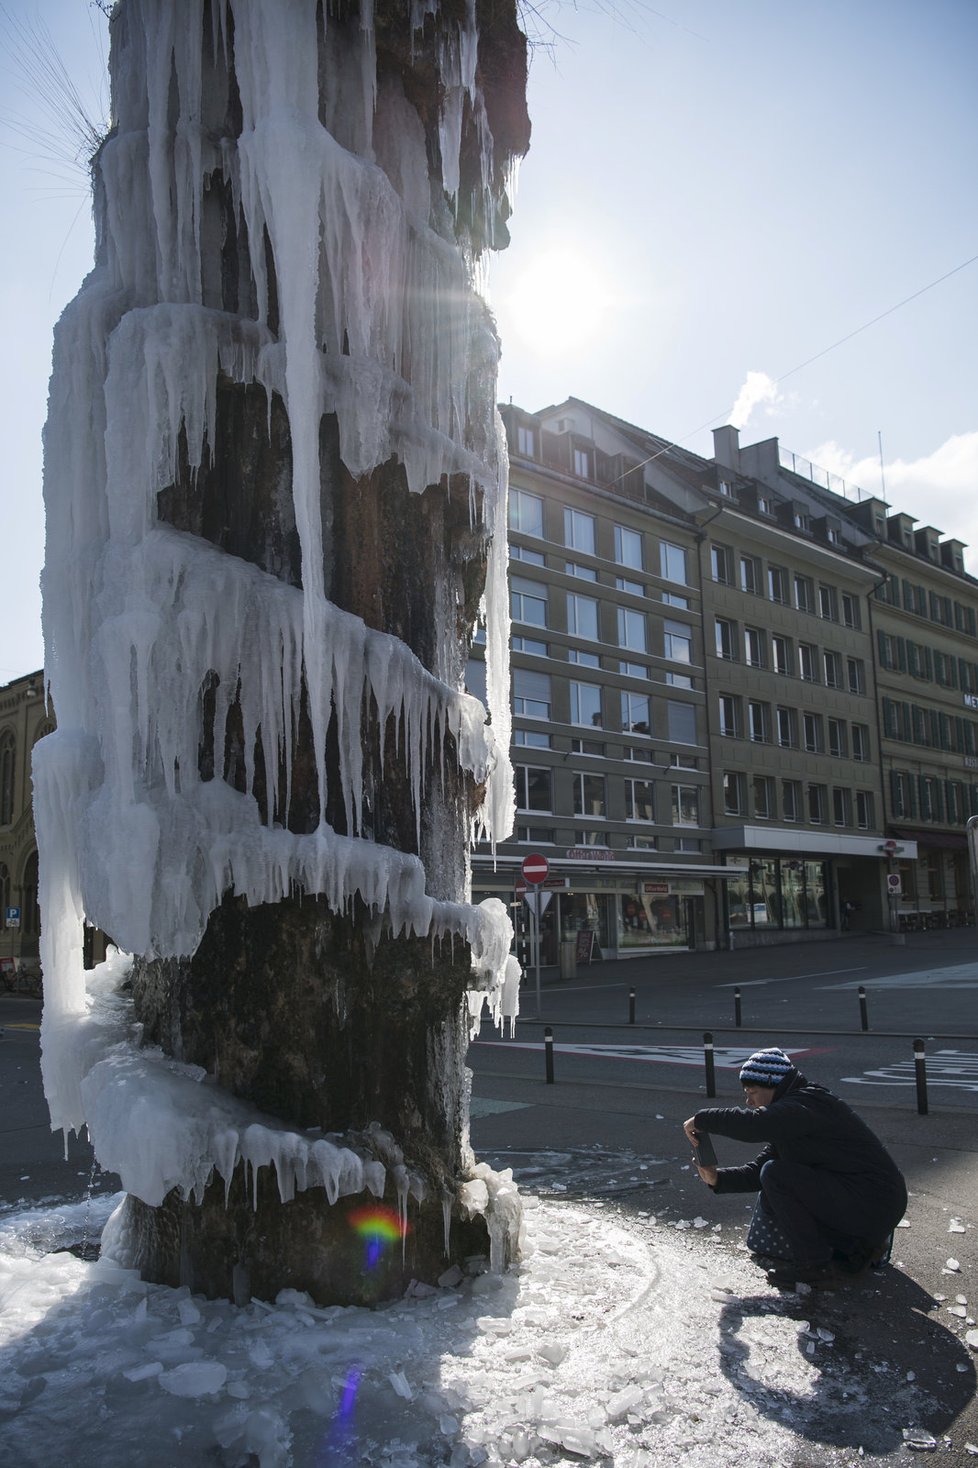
pixel 362 306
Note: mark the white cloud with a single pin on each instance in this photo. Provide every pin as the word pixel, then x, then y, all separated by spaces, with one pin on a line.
pixel 757 389
pixel 939 489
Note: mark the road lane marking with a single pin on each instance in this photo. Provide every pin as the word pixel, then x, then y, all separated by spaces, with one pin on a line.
pixel 724 1057
pixel 944 1068
pixel 955 976
pixel 788 978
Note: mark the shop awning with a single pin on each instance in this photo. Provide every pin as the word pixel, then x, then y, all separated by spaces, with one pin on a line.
pixel 944 840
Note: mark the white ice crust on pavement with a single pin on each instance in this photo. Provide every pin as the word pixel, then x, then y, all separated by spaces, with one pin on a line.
pixel 614 1341
pixel 381 325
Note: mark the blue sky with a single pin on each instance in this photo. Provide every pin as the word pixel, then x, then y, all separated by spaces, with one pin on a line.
pixel 716 192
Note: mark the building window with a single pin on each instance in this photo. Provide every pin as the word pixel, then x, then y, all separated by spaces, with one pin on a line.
pixel 816 804
pixel 635 713
pixel 531 694
pixel 841 807
pixel 787 727
pixel 475 679
pixel 579 531
pixel 790 800
pixel 583 659
pixel 750 575
pixel 631 630
pixel 593 748
pixel 527 556
pixel 837 738
pixel 589 795
pixel 856 671
pixel 731 718
pixel 623 583
pixel 628 548
pixel 672 562
pixel 681 722
pixel 31 912
pixel 726 638
pixel 804 594
pixel 900 793
pixel 851 615
pixel 535 835
pixel 860 741
pixel 828 605
pixel 672 600
pixel 763 789
pixel 928 798
pixel 582 464
pixel 583 573
pixel 4 894
pixel 721 564
pixel 585 704
pixel 677 642
pixel 759 722
pixel 582 616
pixel 639 800
pixel 781 655
pixel 8 750
pixel 806 662
pixel 531 738
pixel 533 788
pixel 812 731
pixel 733 793
pixel 832 668
pixel 531 645
pixel 865 814
pixel 685 805
pixel 526 441
pixel 526 513
pixel 754 648
pixel 777 584
pixel 527 601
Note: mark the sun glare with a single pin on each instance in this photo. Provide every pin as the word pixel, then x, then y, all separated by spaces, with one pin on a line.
pixel 557 302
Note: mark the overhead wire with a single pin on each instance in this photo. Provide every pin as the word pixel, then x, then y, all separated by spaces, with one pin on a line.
pixel 809 360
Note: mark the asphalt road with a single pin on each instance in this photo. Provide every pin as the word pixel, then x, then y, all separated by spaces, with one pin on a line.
pixel 812 1000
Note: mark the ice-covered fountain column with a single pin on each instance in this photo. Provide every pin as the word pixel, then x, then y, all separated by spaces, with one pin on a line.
pixel 275 490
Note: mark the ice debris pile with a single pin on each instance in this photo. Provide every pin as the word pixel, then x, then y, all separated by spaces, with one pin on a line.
pixel 615 1340
pixel 362 305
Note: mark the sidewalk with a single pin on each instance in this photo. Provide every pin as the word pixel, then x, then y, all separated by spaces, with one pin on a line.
pixel 625 1143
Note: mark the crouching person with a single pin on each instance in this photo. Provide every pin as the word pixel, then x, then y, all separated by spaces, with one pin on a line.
pixel 826 1180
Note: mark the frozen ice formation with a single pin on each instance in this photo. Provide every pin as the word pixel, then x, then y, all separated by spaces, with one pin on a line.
pixel 363 306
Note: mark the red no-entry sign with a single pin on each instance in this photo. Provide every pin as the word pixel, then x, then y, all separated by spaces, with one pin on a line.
pixel 535 868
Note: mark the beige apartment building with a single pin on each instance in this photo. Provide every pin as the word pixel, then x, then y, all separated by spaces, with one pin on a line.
pixel 705 664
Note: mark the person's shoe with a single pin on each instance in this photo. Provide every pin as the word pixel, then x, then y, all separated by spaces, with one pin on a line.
pixel 816 1276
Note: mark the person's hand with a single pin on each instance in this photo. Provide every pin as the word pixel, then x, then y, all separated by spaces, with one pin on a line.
pixel 708 1174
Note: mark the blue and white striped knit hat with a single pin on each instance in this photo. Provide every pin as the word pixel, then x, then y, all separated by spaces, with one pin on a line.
pixel 766 1068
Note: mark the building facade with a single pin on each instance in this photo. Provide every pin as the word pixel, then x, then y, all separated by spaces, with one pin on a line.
pixel 705 667
pixel 24 718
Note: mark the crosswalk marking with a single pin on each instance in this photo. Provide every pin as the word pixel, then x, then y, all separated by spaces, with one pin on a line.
pixel 955 976
pixel 944 1068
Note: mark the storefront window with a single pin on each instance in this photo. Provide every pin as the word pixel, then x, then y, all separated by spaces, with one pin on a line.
pixel 649 920
pixel 793 894
pixel 816 905
pixel 764 892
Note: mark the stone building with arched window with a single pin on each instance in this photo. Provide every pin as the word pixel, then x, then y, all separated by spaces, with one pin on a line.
pixel 24 719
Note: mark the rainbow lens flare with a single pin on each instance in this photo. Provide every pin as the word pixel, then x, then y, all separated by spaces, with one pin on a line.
pixel 382 1224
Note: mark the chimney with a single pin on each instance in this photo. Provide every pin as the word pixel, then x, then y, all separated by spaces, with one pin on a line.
pixel 726 447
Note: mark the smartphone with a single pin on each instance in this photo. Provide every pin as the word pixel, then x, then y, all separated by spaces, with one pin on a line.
pixel 705 1152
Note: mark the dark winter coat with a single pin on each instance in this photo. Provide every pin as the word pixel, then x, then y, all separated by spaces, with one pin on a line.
pixel 805 1123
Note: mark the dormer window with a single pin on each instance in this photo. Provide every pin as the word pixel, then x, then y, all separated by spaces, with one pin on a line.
pixel 526 441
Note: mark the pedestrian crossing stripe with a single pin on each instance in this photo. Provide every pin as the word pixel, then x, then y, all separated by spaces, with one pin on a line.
pixel 944 1068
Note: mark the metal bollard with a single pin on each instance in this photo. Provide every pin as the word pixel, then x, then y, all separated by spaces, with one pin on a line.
pixel 737 1008
pixel 711 1075
pixel 920 1070
pixel 863 1011
pixel 548 1050
pixel 631 1006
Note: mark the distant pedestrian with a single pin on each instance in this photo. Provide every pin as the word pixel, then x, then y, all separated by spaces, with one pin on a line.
pixel 825 1178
